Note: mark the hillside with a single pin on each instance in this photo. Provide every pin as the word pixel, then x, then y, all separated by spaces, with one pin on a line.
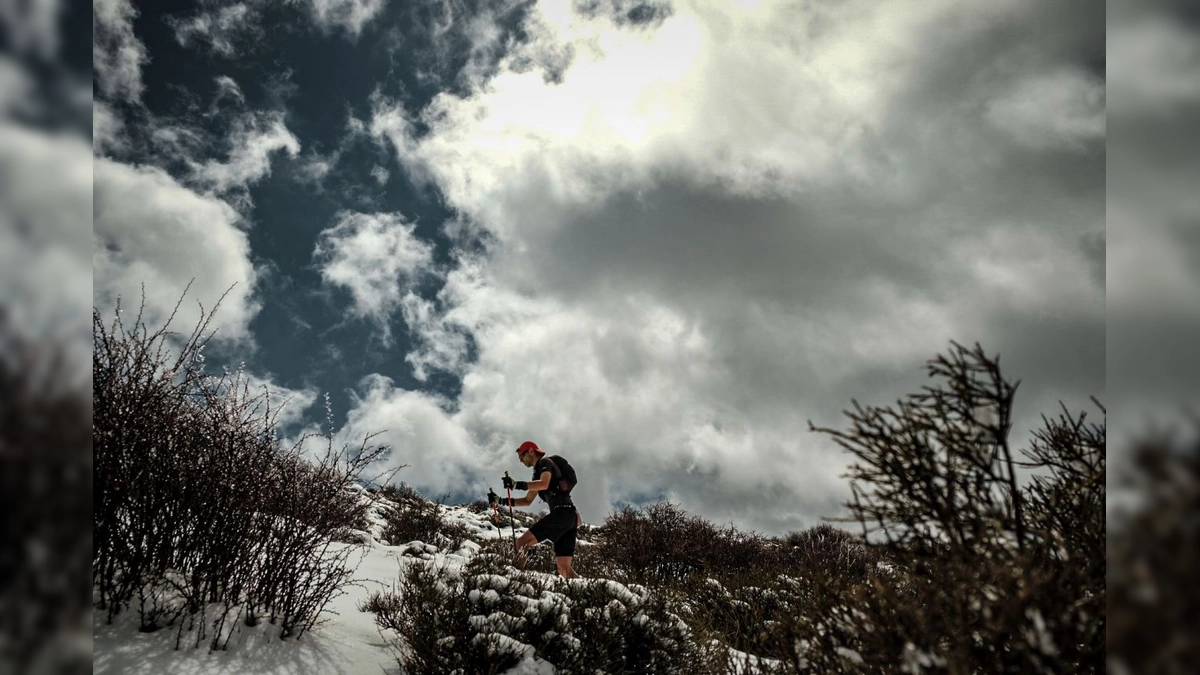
pixel 219 548
pixel 348 640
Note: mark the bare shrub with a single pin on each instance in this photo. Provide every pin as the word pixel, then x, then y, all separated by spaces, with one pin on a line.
pixel 780 619
pixel 1152 555
pixel 415 518
pixel 825 549
pixel 661 544
pixel 386 607
pixel 591 562
pixel 402 494
pixel 657 544
pixel 199 512
pixel 45 504
pixel 987 576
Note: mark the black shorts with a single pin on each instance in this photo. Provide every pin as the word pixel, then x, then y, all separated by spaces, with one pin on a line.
pixel 559 526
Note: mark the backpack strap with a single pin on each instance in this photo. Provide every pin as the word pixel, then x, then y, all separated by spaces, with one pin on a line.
pixel 563 485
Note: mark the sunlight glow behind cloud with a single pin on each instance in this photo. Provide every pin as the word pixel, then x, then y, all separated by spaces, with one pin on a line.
pixel 772 181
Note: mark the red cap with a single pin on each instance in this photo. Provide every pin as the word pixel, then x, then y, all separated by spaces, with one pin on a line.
pixel 530 445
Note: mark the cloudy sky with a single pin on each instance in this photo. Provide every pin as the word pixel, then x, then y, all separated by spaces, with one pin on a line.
pixel 656 237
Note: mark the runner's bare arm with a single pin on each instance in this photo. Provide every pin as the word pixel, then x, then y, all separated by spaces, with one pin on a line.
pixel 535 487
pixel 540 484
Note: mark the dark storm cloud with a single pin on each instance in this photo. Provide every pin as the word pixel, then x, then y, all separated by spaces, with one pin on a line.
pixel 1153 272
pixel 682 240
pixel 927 177
pixel 661 237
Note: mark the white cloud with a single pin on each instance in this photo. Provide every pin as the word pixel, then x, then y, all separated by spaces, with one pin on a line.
pixel 227 87
pixel 16 87
pixel 288 405
pixel 705 232
pixel 1030 269
pixel 45 217
pixel 585 109
pixel 1153 65
pixel 107 129
pixel 117 54
pixel 459 33
pixel 1063 108
pixel 350 16
pixel 1153 222
pixel 376 257
pixel 442 345
pixel 221 29
pixel 380 174
pixel 176 140
pixel 149 231
pixel 416 425
pixel 32 26
pixel 1150 271
pixel 252 141
pixel 314 169
pixel 628 397
pixel 390 123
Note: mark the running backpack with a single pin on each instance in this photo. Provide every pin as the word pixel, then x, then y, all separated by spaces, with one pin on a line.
pixel 568 480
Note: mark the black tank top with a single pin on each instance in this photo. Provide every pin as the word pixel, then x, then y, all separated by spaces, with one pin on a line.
pixel 554 496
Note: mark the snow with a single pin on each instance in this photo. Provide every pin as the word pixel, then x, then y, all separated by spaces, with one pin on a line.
pixel 915 660
pixel 531 665
pixel 348 642
pixel 850 655
pixel 749 664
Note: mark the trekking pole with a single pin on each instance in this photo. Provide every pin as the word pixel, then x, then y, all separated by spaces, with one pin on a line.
pixel 511 521
pixel 492 498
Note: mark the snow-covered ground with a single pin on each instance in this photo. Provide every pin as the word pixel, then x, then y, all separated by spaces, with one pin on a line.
pixel 348 643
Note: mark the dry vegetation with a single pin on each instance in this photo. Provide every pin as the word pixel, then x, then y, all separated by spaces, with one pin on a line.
pixel 1153 554
pixel 981 557
pixel 45 501
pixel 414 518
pixel 964 563
pixel 992 574
pixel 201 517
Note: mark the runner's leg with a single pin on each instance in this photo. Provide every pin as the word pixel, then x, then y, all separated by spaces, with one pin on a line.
pixel 563 562
pixel 524 543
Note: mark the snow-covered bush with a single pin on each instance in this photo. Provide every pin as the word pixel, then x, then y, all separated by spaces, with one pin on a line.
pixel 488 617
pixel 789 624
pixel 201 518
